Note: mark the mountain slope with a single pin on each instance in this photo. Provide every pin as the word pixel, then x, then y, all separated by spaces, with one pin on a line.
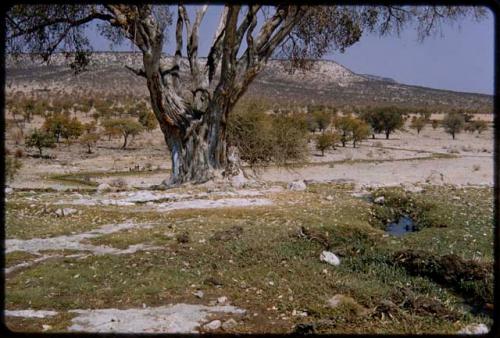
pixel 326 83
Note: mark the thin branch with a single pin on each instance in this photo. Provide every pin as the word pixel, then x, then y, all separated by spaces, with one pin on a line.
pixel 139 72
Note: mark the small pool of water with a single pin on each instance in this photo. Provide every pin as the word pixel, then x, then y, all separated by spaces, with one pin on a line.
pixel 403 226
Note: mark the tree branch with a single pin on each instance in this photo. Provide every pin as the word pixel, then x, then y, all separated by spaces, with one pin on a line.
pixel 139 72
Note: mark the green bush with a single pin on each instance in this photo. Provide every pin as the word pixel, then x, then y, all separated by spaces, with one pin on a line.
pixel 265 138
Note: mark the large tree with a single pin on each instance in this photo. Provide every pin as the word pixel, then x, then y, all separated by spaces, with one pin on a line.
pixel 192 107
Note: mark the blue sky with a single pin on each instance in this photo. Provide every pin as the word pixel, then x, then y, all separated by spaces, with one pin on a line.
pixel 460 59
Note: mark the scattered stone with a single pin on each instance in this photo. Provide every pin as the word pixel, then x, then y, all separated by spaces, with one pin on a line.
pixel 330 258
pixel 222 300
pixel 46 327
pixel 435 178
pixel 379 200
pixel 199 294
pixel 103 187
pixel 329 198
pixel 59 213
pixel 299 313
pixel 8 190
pixel 297 186
pixel 229 324
pixel 213 325
pixel 474 329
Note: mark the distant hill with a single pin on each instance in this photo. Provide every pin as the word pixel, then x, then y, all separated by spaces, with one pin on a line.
pixel 326 83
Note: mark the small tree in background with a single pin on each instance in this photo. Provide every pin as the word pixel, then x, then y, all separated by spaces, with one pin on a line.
pixel 125 126
pixel 418 123
pixel 479 126
pixel 360 131
pixel 40 139
pixel 322 119
pixel 326 141
pixel 453 123
pixel 388 120
pixel 89 140
pixel 344 126
pixel 72 129
pixel 435 124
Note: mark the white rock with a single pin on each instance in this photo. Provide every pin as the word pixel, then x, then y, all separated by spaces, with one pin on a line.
pixel 229 324
pixel 69 211
pixel 46 327
pixel 213 325
pixel 474 329
pixel 59 213
pixel 329 198
pixel 103 187
pixel 330 258
pixel 198 294
pixel 379 200
pixel 297 186
pixel 222 300
pixel 8 190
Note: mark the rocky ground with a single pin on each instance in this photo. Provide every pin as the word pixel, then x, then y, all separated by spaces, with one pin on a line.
pixel 91 247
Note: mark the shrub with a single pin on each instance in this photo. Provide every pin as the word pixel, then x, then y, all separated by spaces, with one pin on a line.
pixel 289 135
pixel 479 126
pixel 326 141
pixel 148 120
pixel 263 138
pixel 125 126
pixel 435 124
pixel 453 123
pixel 60 125
pixel 40 139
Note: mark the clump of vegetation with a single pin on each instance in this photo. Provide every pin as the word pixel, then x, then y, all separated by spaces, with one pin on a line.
pixel 471 278
pixel 265 138
pixel 60 125
pixel 148 120
pixel 453 123
pixel 124 126
pixel 476 126
pixel 326 140
pixel 434 124
pixel 398 202
pixel 40 139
